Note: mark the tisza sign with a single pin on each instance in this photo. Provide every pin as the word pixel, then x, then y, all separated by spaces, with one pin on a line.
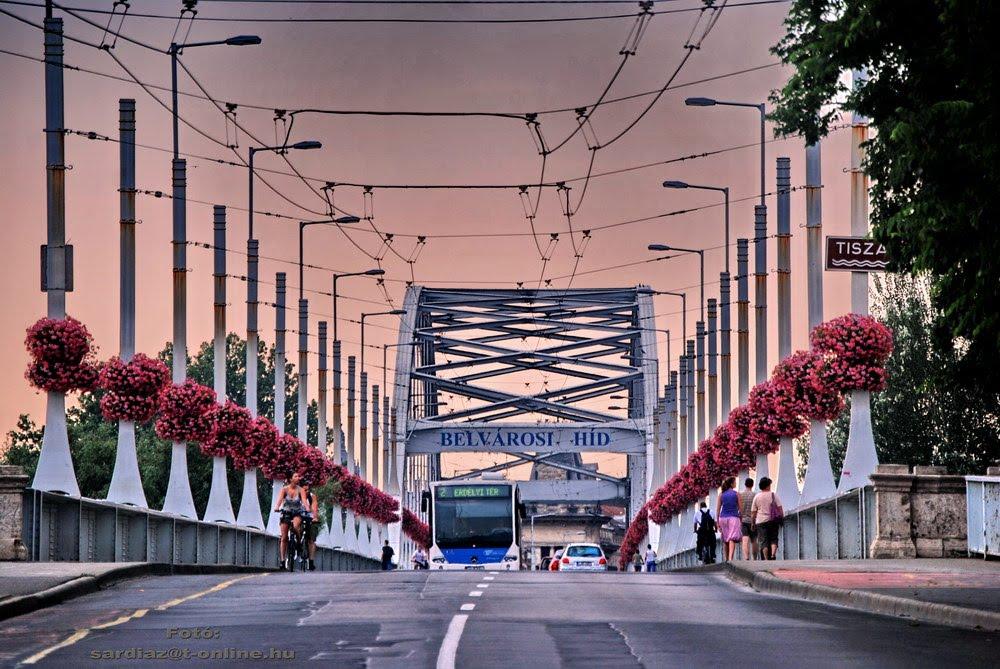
pixel 501 439
pixel 855 254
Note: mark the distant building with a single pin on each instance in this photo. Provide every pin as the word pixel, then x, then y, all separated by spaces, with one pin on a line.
pixel 550 527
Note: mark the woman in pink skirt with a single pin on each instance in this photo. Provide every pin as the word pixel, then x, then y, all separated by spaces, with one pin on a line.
pixel 728 513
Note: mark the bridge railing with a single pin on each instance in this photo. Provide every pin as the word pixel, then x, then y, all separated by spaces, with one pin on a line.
pixel 63 528
pixel 983 518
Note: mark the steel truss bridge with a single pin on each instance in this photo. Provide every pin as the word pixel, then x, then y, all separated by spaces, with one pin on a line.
pixel 530 374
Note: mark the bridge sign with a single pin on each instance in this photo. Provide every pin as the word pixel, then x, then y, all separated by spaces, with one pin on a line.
pixel 855 254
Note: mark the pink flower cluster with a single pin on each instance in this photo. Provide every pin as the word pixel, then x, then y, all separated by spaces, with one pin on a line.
pixel 848 353
pixel 133 388
pixel 62 355
pixel 855 350
pixel 263 437
pixel 363 498
pixel 313 466
pixel 233 427
pixel 283 459
pixel 416 529
pixel 187 413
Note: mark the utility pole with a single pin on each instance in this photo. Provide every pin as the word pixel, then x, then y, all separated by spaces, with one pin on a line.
pixel 219 508
pixel 279 385
pixel 55 466
pixel 787 485
pixel 126 483
pixel 760 310
pixel 321 439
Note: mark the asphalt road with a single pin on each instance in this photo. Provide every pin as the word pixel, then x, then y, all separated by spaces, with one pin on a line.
pixel 427 619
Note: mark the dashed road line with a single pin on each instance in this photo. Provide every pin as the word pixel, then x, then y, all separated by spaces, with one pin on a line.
pixel 449 646
pixel 467 607
pixel 476 593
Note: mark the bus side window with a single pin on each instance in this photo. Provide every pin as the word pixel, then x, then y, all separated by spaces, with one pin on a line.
pixel 425 500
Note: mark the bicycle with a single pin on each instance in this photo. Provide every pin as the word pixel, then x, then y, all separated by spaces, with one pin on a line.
pixel 297 551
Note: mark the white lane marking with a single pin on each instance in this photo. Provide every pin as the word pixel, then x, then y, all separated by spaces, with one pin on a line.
pixel 476 593
pixel 467 607
pixel 488 578
pixel 494 573
pixel 483 585
pixel 449 645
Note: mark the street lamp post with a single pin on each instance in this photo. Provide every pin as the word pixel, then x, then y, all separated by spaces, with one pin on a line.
pixel 253 248
pixel 725 321
pixel 178 499
pixel 394 312
pixel 701 258
pixel 337 433
pixel 710 102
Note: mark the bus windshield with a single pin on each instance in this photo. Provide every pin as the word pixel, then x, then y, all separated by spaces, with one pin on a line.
pixel 481 521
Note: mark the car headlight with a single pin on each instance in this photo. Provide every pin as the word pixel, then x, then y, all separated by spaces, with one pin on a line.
pixel 510 558
pixel 438 560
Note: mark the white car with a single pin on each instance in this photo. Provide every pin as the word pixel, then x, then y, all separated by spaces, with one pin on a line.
pixel 583 557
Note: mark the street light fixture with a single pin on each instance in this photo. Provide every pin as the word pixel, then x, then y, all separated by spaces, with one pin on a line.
pixel 721 189
pixel 701 257
pixel 343 220
pixel 370 272
pixel 710 102
pixel 394 312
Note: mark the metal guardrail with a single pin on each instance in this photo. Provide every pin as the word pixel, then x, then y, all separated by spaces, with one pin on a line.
pixel 982 496
pixel 62 528
pixel 838 528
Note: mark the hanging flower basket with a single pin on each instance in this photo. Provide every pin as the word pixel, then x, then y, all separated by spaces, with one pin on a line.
pixel 263 437
pixel 62 355
pixel 808 394
pixel 187 413
pixel 364 499
pixel 314 468
pixel 233 425
pixel 855 349
pixel 283 460
pixel 133 388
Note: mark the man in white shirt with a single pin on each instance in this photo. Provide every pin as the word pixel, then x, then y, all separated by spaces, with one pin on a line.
pixel 650 558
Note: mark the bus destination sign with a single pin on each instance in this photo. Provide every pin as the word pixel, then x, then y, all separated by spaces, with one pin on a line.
pixel 470 491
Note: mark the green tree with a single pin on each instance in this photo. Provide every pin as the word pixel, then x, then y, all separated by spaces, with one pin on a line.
pixel 932 100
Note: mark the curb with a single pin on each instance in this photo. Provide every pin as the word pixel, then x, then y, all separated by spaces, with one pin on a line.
pixel 84 585
pixel 869 602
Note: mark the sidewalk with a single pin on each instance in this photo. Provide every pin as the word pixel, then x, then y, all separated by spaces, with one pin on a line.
pixel 29 586
pixel 954 592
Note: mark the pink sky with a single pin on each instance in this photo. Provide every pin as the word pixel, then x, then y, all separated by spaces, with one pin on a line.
pixel 520 68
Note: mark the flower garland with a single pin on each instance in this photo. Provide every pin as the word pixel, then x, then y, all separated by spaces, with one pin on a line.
pixel 636 533
pixel 849 353
pixel 62 355
pixel 187 413
pixel 233 428
pixel 364 499
pixel 416 529
pixel 133 388
pixel 263 437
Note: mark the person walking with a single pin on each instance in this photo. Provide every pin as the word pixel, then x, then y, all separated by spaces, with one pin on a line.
pixel 638 561
pixel 749 541
pixel 387 554
pixel 768 515
pixel 727 510
pixel 704 529
pixel 650 558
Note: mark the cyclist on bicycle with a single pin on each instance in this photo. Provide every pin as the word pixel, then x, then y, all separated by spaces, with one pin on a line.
pixel 292 505
pixel 311 521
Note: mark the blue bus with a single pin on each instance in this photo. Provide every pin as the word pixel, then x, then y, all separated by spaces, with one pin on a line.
pixel 475 524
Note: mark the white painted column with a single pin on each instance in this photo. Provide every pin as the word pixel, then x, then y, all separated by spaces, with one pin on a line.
pixel 861 458
pixel 322 439
pixel 219 508
pixel 818 483
pixel 786 484
pixel 760 314
pixel 126 483
pixel 279 388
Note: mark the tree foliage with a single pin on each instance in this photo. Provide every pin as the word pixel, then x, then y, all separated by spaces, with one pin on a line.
pixel 932 100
